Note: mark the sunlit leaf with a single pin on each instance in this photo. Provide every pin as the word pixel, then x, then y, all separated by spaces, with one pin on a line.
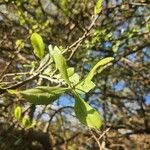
pixel 86 114
pixel 64 5
pixel 11 91
pixel 85 87
pixel 100 64
pixel 60 62
pixel 70 71
pixel 26 122
pixel 18 112
pixel 74 78
pixel 19 44
pixel 38 45
pixel 98 7
pixel 42 95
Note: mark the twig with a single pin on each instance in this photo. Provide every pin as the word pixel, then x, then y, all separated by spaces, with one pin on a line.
pixel 104 133
pixel 97 141
pixel 59 110
pixel 34 76
pixel 13 74
pixel 140 4
pixel 54 81
pixel 77 43
pixel 9 63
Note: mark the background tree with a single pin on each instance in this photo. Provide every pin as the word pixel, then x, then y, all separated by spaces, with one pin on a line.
pixel 121 30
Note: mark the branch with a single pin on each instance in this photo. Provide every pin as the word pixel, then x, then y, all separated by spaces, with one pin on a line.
pixel 77 43
pixel 52 116
pixel 31 78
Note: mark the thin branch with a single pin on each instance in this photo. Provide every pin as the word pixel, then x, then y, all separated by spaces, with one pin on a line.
pixel 57 111
pixel 104 133
pixel 77 43
pixel 31 78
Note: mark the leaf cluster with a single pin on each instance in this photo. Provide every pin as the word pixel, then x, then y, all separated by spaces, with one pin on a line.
pixel 44 95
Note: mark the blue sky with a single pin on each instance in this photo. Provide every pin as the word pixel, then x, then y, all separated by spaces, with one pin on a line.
pixel 147 99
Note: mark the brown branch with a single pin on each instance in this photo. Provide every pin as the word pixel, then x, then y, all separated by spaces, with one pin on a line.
pixel 31 78
pixel 52 116
pixel 67 140
pixel 77 43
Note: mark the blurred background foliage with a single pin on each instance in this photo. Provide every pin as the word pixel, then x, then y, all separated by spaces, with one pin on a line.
pixel 122 93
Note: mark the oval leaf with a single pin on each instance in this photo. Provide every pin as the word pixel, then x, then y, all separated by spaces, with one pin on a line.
pixel 60 62
pixel 38 45
pixel 18 113
pixel 98 7
pixel 101 63
pixel 86 114
pixel 26 122
pixel 42 95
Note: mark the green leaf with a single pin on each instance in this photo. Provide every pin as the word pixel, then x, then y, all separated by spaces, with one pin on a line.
pixel 70 71
pixel 84 87
pixel 60 62
pixel 74 78
pixel 19 44
pixel 101 64
pixel 18 113
pixel 11 91
pixel 38 45
pixel 64 3
pixel 42 95
pixel 98 7
pixel 26 122
pixel 86 114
